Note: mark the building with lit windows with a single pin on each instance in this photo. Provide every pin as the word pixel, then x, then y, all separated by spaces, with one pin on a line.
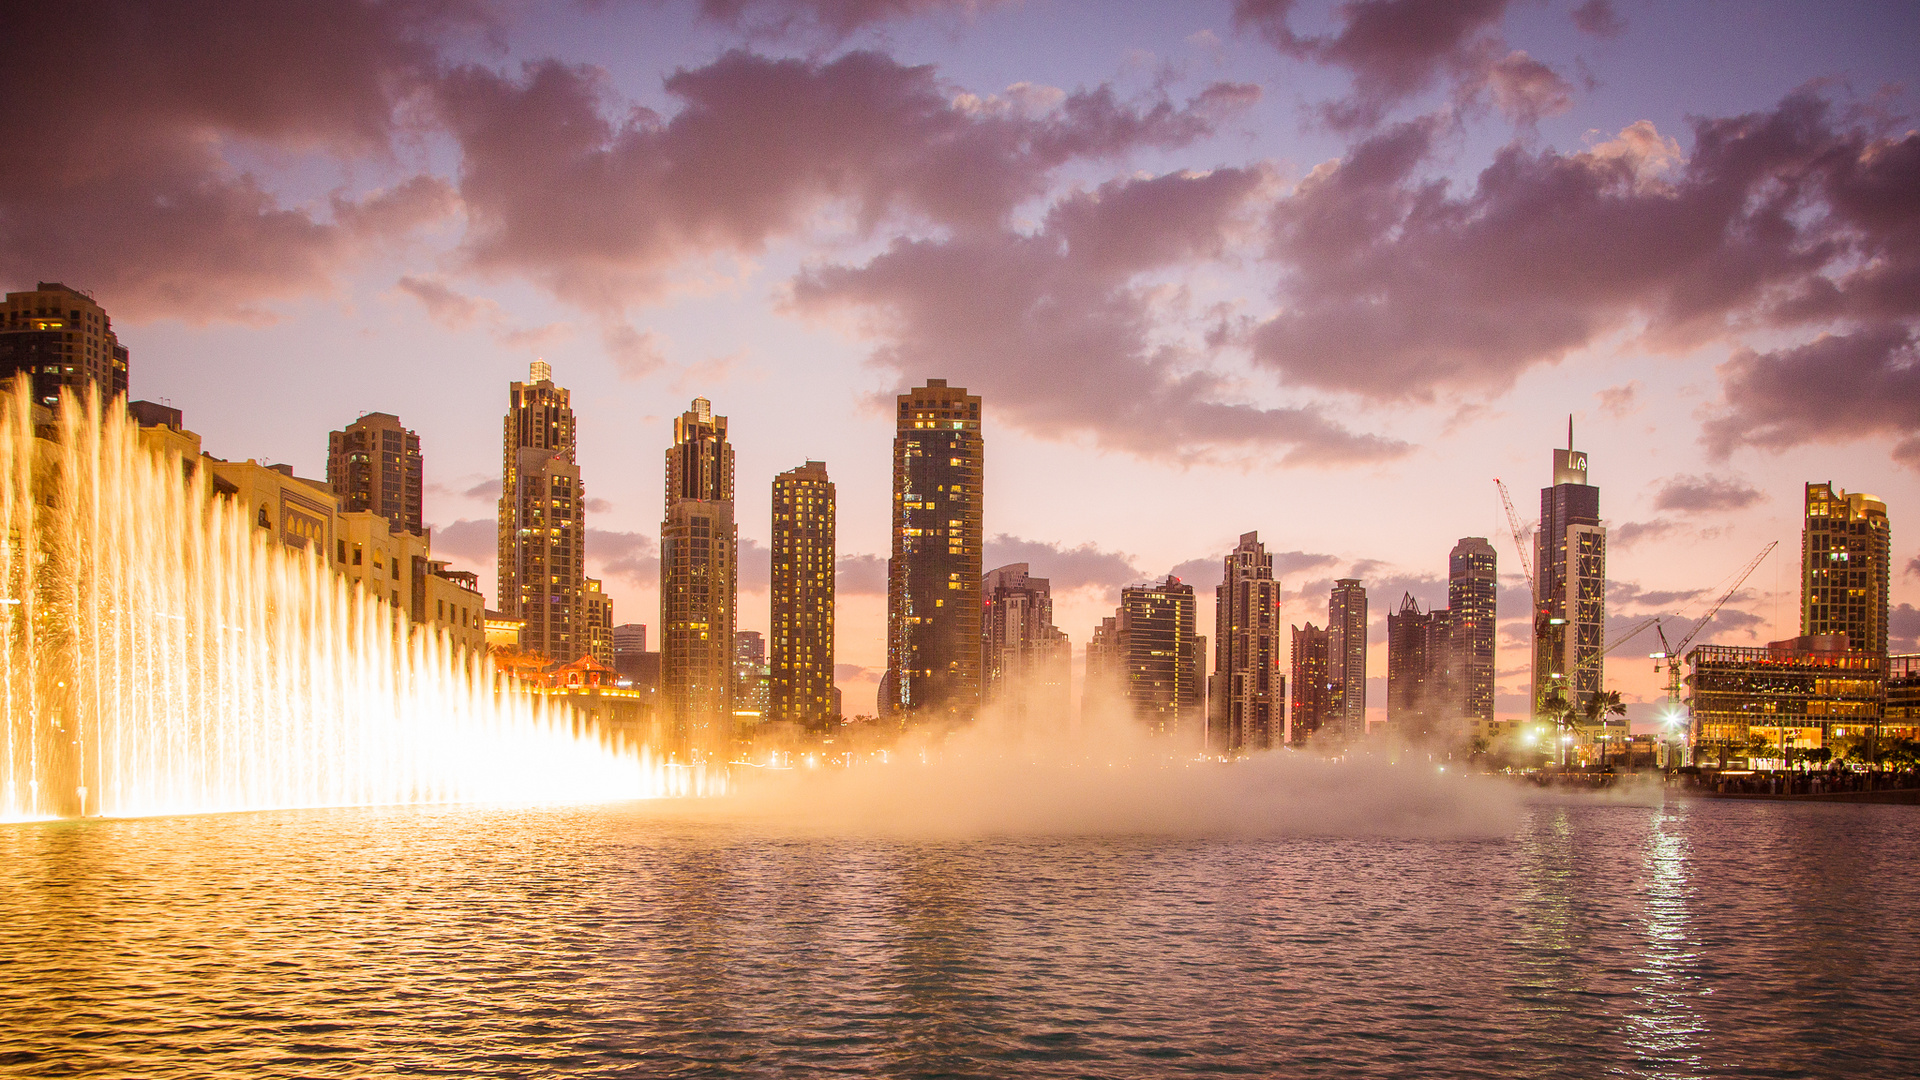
pixel 1805 692
pixel 374 464
pixel 1312 692
pixel 800 652
pixel 1423 695
pixel 1473 593
pixel 543 523
pixel 1347 661
pixel 750 677
pixel 1025 660
pixel 699 577
pixel 933 572
pixel 1900 717
pixel 1570 587
pixel 60 339
pixel 1163 660
pixel 1247 704
pixel 1846 548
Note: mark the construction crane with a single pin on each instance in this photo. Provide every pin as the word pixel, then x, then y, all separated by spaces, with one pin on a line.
pixel 1671 654
pixel 1622 639
pixel 1519 544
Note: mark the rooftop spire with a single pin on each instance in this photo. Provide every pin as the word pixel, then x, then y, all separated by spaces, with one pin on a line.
pixel 1569 431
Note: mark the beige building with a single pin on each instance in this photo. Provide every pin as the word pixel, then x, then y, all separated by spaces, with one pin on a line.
pixel 1846 548
pixel 1025 660
pixel 800 652
pixel 374 464
pixel 59 338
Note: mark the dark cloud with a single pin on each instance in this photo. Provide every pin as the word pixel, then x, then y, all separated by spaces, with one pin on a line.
pixel 1396 288
pixel 860 575
pixel 631 556
pixel 1598 18
pixel 485 489
pixel 1399 49
pixel 854 673
pixel 1058 332
pixel 129 192
pixel 1913 565
pixel 1705 494
pixel 1065 567
pixel 1838 388
pixel 473 540
pixel 828 21
pixel 1621 401
pixel 597 201
pixel 1903 629
pixel 756 566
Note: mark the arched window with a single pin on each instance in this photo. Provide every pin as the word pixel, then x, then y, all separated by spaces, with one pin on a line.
pixel 264 523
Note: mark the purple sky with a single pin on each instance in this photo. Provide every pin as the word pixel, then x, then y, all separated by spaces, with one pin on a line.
pixel 1319 270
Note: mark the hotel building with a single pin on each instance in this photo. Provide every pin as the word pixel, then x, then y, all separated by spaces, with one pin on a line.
pixel 1570 589
pixel 59 338
pixel 1846 549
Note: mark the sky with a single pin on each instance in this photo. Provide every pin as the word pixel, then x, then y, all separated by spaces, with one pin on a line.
pixel 1317 270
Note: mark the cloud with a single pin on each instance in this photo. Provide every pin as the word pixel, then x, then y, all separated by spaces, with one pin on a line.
pixel 1913 565
pixel 1399 49
pixel 632 556
pixel 1395 287
pixel 1295 562
pixel 1204 574
pixel 485 489
pixel 1631 533
pixel 598 201
pixel 860 575
pixel 1621 401
pixel 1061 333
pixel 854 673
pixel 756 566
pixel 828 21
pixel 476 540
pixel 1065 568
pixel 1625 594
pixel 136 197
pixel 1705 494
pixel 1598 18
pixel 1837 388
pixel 457 311
pixel 1903 629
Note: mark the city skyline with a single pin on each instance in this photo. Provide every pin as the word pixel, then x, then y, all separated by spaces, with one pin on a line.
pixel 802 320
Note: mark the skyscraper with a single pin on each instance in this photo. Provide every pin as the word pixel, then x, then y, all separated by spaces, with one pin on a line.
pixel 58 337
pixel 1424 695
pixel 1247 707
pixel 801 652
pixel 933 575
pixel 1347 660
pixel 1846 548
pixel 629 645
pixel 1102 688
pixel 1570 597
pixel 1311 692
pixel 699 577
pixel 1473 592
pixel 1024 658
pixel 543 522
pixel 374 464
pixel 1164 660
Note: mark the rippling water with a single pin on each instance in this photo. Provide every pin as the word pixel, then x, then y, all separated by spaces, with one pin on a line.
pixel 1699 939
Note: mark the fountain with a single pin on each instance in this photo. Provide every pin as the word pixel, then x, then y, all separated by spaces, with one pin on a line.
pixel 162 656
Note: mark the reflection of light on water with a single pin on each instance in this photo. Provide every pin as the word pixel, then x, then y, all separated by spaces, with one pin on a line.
pixel 1666 1028
pixel 164 656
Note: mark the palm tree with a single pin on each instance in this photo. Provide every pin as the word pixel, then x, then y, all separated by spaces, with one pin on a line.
pixel 1563 713
pixel 1599 707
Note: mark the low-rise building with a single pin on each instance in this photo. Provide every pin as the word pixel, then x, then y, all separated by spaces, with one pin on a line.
pixel 1802 693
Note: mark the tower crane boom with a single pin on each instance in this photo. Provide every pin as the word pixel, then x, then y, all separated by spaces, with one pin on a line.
pixel 1513 526
pixel 1673 653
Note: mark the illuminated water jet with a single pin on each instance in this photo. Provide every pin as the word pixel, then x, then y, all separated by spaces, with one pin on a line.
pixel 163 656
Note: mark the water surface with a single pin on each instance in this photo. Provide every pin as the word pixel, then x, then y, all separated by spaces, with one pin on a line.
pixel 1698 939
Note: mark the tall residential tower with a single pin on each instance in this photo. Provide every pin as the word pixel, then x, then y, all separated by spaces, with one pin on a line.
pixel 58 337
pixel 1473 592
pixel 1347 661
pixel 699 578
pixel 1024 658
pixel 1247 705
pixel 1846 549
pixel 543 522
pixel 801 650
pixel 933 574
pixel 374 464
